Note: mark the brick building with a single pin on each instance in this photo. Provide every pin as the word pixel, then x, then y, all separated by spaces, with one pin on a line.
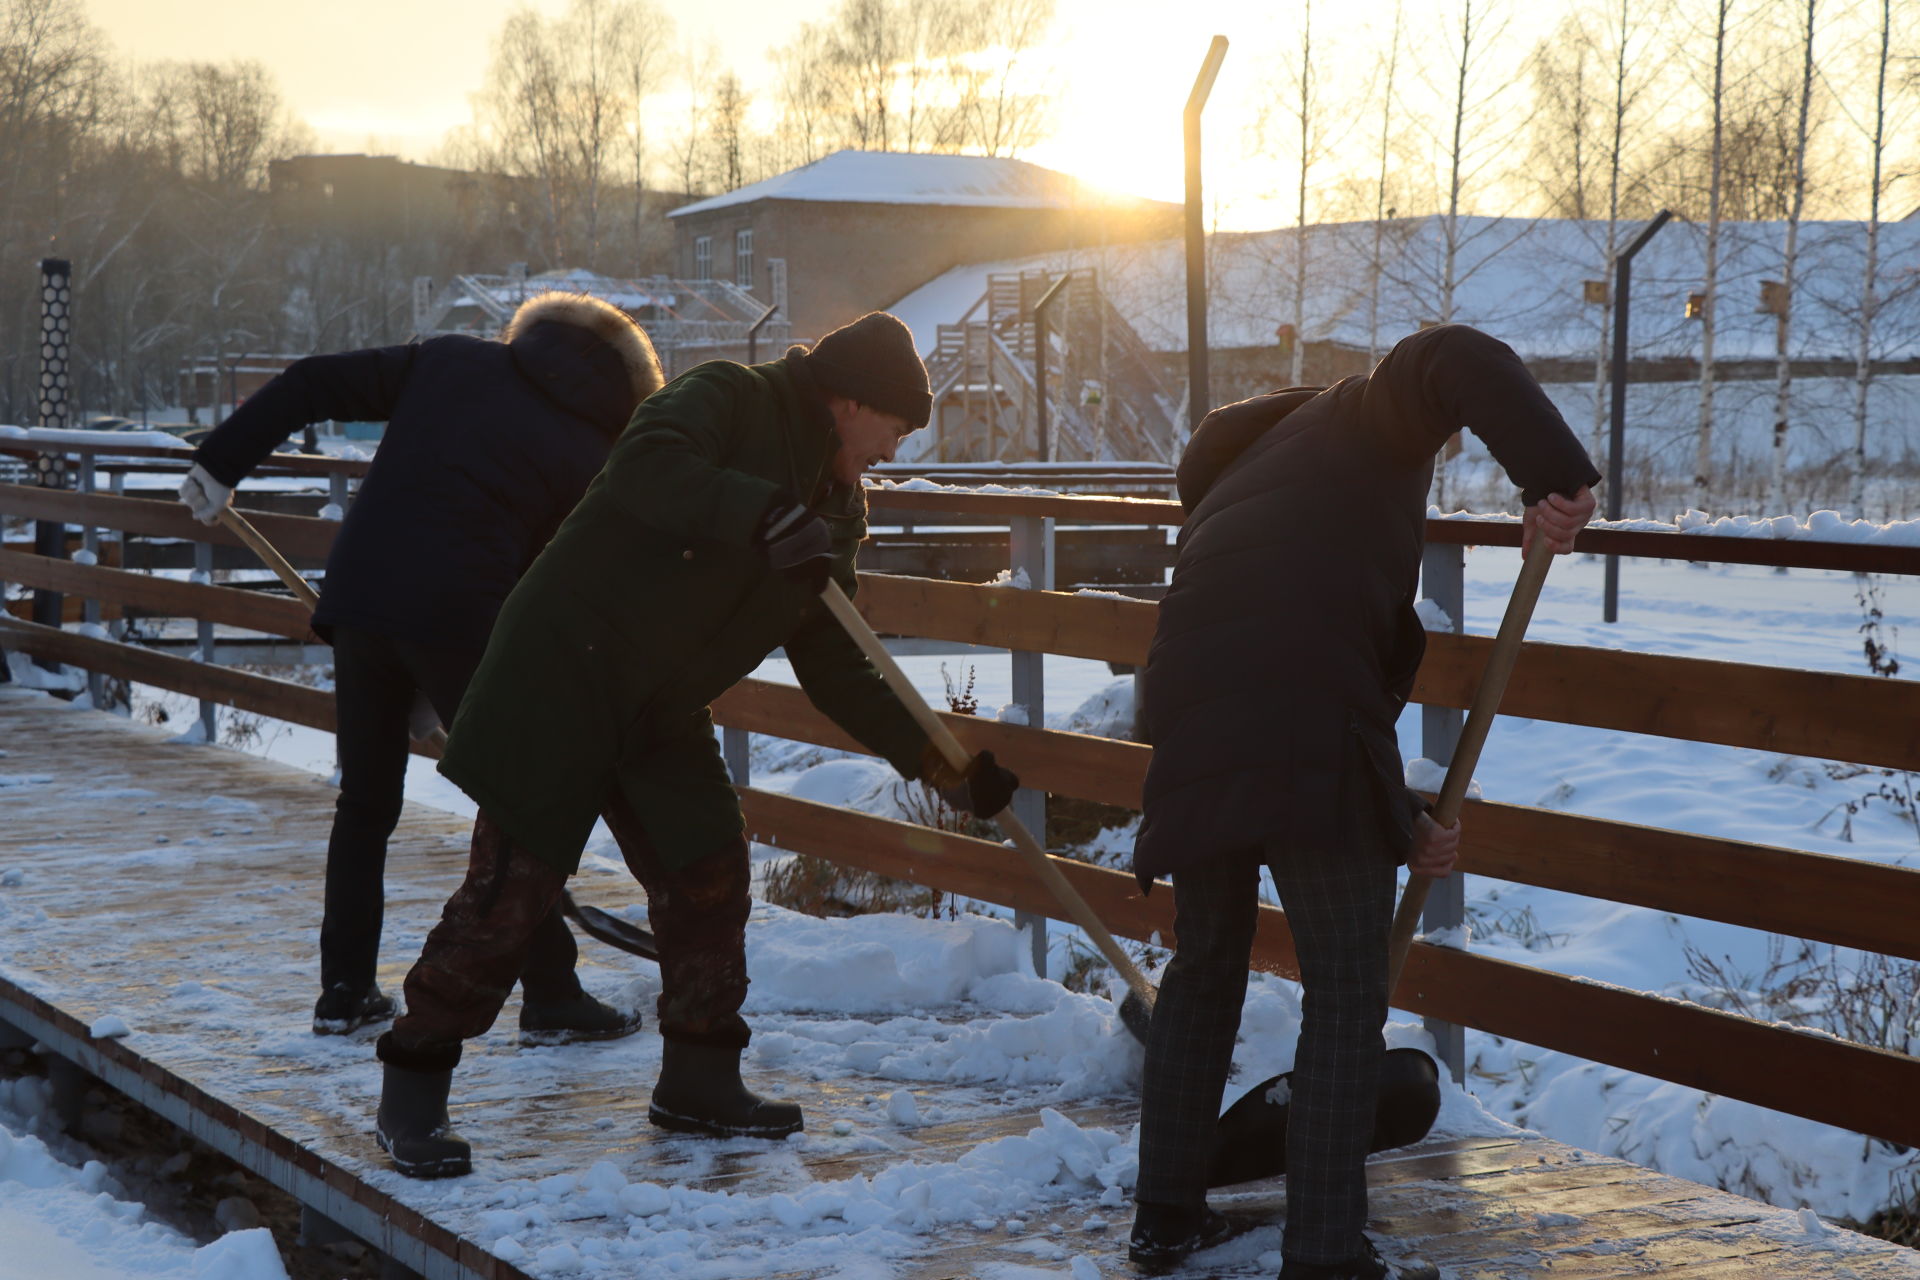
pixel 858 229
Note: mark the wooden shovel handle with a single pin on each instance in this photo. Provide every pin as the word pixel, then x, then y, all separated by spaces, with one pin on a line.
pixel 957 758
pixel 1486 702
pixel 244 530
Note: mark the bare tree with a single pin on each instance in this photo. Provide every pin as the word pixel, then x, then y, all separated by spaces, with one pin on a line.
pixel 1380 210
pixel 1710 283
pixel 1872 299
pixel 1789 264
pixel 558 94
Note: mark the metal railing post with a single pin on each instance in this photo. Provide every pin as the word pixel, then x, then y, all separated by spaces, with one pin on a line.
pixel 90 606
pixel 1030 548
pixel 1196 226
pixel 1617 428
pixel 1043 444
pixel 203 572
pixel 736 747
pixel 1443 581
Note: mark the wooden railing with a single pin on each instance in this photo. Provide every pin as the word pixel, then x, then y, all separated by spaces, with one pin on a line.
pixel 1845 902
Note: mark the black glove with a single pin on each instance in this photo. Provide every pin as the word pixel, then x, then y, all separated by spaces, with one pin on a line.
pixel 796 542
pixel 983 790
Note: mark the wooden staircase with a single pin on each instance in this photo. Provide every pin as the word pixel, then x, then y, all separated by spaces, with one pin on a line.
pixel 1106 400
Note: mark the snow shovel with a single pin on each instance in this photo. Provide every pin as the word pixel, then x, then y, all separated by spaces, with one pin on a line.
pixel 594 922
pixel 1136 1011
pixel 1250 1140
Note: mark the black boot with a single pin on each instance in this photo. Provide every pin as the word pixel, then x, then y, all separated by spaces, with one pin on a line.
pixel 342 1009
pixel 1369 1265
pixel 1164 1234
pixel 699 1091
pixel 571 1021
pixel 413 1125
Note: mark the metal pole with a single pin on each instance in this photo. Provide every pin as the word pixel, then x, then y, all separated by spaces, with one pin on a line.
pixel 1030 547
pixel 1043 446
pixel 1197 396
pixel 753 334
pixel 1443 581
pixel 1617 433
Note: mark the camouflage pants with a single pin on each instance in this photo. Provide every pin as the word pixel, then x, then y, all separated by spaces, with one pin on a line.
pixel 472 957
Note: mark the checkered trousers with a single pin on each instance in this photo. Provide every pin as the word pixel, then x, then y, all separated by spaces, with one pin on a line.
pixel 1339 905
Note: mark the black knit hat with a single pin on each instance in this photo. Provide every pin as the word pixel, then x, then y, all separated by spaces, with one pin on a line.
pixel 873 361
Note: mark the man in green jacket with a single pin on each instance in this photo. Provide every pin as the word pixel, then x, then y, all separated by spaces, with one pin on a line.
pixel 731 498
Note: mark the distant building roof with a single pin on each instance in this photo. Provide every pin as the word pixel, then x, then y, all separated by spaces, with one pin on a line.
pixel 893 177
pixel 1518 278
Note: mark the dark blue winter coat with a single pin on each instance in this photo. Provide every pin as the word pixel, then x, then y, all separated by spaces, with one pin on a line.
pixel 488 446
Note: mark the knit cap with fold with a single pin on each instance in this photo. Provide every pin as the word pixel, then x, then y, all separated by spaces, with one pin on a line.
pixel 874 361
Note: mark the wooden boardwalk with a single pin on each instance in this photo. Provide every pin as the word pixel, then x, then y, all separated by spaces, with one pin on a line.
pixel 178 887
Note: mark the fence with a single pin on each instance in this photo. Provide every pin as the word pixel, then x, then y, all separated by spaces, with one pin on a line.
pixel 1844 902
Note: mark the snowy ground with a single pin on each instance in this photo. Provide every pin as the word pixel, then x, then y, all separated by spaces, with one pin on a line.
pixel 951 1004
pixel 62 1220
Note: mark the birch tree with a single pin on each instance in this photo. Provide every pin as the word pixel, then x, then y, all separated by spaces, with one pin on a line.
pixel 1389 74
pixel 1876 129
pixel 1789 263
pixel 1710 280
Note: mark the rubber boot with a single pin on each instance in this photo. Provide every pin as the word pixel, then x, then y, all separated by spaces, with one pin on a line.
pixel 572 1021
pixel 700 1091
pixel 413 1127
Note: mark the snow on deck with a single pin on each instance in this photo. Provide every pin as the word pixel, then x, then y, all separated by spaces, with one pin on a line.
pixel 964 1117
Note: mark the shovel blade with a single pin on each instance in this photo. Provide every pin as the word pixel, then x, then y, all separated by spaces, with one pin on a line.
pixel 608 928
pixel 1250 1141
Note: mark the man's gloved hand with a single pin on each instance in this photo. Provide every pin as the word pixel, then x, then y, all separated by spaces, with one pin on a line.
pixel 204 496
pixel 983 790
pixel 796 542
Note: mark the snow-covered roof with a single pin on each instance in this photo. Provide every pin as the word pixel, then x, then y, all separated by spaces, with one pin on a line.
pixel 1518 278
pixel 893 177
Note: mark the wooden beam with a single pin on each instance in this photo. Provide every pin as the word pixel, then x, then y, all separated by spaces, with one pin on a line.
pixel 1802 1073
pixel 1860 719
pixel 287 464
pixel 1074 764
pixel 1099 627
pixel 298 537
pixel 1816 1076
pixel 1843 901
pixel 163 597
pixel 242 690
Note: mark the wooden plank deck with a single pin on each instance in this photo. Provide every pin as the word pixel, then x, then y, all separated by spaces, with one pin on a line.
pixel 178 887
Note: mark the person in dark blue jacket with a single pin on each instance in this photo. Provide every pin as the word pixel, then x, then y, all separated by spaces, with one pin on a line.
pixel 488 446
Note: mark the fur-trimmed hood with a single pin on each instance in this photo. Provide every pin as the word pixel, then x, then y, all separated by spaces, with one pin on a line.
pixel 587 355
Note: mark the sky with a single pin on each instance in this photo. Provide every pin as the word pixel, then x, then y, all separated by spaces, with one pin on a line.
pixel 392 76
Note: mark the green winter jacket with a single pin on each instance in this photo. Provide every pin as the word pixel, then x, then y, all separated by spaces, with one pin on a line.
pixel 650 602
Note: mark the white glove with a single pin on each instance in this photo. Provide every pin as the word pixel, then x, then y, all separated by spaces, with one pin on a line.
pixel 204 496
pixel 422 720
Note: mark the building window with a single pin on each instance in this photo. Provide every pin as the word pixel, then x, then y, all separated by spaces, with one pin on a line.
pixel 703 257
pixel 743 258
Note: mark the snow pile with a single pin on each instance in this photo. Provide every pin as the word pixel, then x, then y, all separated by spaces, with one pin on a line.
pixel 697 1233
pixel 920 484
pixel 66 1222
pixel 80 435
